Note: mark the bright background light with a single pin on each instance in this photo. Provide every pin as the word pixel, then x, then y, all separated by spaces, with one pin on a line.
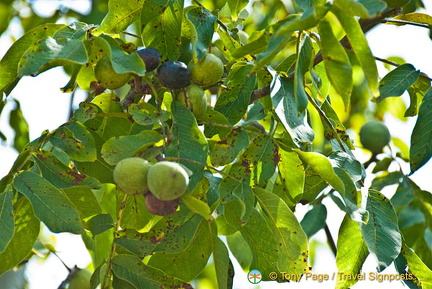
pixel 45 107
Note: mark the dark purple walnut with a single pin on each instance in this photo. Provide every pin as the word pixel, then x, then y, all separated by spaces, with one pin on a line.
pixel 151 57
pixel 158 207
pixel 174 74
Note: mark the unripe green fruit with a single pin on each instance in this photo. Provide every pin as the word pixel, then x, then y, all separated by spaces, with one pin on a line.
pixel 396 3
pixel 80 279
pixel 130 175
pixel 194 98
pixel 207 71
pixel 374 136
pixel 107 77
pixel 167 180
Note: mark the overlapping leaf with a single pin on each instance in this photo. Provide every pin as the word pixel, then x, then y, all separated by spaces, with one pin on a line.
pixel 120 15
pixel 6 219
pixel 381 234
pixel 396 82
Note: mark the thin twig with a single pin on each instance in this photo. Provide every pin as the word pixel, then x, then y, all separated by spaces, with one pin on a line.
pixel 330 240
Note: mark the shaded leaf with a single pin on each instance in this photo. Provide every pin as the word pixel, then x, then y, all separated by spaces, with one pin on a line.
pixel 83 200
pixel 197 206
pixel 20 127
pixel 314 220
pixel 50 205
pixel 130 268
pixel 302 65
pixel 226 150
pixel 100 223
pixel 222 262
pixel 381 234
pixel 421 137
pixel 397 81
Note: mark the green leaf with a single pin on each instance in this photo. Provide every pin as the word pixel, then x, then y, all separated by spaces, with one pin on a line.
pixel 260 160
pixel 188 143
pixel 120 15
pixel 351 253
pixel 360 47
pixel 50 205
pixel 417 92
pixel 303 64
pixel 253 47
pixel 50 52
pixel 6 219
pixel 76 141
pixel 121 147
pixel 135 214
pixel 225 151
pixel 144 113
pixel 26 231
pixel 313 184
pixel 221 261
pixel 321 165
pixel 336 61
pixel 197 206
pixel 415 17
pixel 130 268
pixel 203 22
pixel 418 268
pixel 234 100
pixel 337 129
pixel 20 127
pixel 314 220
pixel 381 233
pixel 363 9
pixel 397 81
pixel 100 223
pixel 284 103
pixel 421 137
pixel 290 237
pixel 167 16
pixel 9 63
pixel 240 249
pixel 59 174
pixel 83 200
pixel 188 263
pixel 292 173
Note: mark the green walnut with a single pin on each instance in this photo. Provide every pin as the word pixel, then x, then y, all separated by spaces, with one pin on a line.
pixel 396 3
pixel 194 98
pixel 107 77
pixel 167 180
pixel 374 136
pixel 80 279
pixel 130 175
pixel 207 71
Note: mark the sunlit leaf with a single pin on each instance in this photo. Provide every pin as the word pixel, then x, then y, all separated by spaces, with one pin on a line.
pixel 351 253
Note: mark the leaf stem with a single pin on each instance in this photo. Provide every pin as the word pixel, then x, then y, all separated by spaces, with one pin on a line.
pixel 330 239
pixel 120 214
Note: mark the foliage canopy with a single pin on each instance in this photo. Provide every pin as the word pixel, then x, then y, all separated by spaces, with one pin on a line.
pixel 279 132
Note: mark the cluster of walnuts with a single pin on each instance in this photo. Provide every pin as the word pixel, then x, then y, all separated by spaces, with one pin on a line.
pixel 176 75
pixel 165 182
pixel 162 183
